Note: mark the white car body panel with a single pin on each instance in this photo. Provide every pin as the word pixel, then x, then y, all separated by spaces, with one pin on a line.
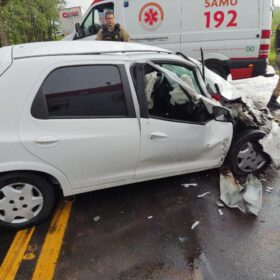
pixel 184 146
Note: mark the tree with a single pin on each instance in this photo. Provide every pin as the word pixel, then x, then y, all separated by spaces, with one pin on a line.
pixel 3 35
pixel 26 21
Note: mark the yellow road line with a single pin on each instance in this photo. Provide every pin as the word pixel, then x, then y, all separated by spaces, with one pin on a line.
pixel 46 263
pixel 13 258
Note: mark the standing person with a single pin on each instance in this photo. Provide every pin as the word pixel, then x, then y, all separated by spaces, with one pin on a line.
pixel 273 104
pixel 112 31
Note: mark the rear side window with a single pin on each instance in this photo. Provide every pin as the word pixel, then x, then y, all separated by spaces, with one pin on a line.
pixel 81 91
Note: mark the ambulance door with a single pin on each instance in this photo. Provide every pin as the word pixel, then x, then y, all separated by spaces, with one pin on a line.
pixel 153 22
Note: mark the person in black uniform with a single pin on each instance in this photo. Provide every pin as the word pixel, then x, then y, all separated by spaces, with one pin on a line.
pixel 112 31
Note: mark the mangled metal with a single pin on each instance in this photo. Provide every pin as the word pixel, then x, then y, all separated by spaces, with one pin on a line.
pixel 247 198
pixel 271 144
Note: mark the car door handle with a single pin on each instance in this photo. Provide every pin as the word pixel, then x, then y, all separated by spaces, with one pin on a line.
pixel 158 136
pixel 47 140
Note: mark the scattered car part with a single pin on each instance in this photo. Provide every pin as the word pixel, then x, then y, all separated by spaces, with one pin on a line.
pixel 195 225
pixel 247 198
pixel 221 205
pixel 252 195
pixel 230 191
pixel 203 195
pixel 189 185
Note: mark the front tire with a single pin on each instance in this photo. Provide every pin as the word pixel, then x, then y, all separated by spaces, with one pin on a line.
pixel 25 200
pixel 246 155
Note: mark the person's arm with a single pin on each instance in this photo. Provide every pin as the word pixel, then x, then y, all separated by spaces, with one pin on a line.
pixel 125 35
pixel 99 36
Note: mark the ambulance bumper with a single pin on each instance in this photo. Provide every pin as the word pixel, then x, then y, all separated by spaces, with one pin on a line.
pixel 247 68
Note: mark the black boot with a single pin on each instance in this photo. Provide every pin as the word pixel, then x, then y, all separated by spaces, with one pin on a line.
pixel 273 104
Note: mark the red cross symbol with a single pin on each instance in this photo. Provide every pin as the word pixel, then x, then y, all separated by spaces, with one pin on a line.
pixel 151 17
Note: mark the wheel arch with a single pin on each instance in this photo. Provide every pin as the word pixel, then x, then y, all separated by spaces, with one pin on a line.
pixel 57 179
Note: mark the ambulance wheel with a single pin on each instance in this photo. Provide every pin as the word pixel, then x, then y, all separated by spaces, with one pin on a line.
pixel 218 68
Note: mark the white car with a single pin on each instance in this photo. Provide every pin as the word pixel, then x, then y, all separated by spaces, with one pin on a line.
pixel 83 116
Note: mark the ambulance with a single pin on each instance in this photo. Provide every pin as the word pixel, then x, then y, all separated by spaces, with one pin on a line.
pixel 234 34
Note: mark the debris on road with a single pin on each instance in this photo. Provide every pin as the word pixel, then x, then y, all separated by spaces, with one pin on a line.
pixel 247 198
pixel 221 212
pixel 221 205
pixel 195 225
pixel 97 218
pixel 203 195
pixel 231 192
pixel 150 217
pixel 183 239
pixel 189 185
pixel 271 144
pixel 253 195
pixel 270 189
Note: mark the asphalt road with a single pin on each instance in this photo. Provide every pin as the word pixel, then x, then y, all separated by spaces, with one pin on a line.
pixel 143 231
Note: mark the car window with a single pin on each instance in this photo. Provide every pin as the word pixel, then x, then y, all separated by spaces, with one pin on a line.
pixel 185 74
pixel 96 19
pixel 167 99
pixel 84 91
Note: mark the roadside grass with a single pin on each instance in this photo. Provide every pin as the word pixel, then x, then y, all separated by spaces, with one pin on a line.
pixel 275 23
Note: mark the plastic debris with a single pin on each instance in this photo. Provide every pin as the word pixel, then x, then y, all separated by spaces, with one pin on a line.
pixel 150 217
pixel 270 188
pixel 253 195
pixel 189 185
pixel 195 225
pixel 97 218
pixel 221 205
pixel 221 212
pixel 183 239
pixel 247 198
pixel 203 195
pixel 269 191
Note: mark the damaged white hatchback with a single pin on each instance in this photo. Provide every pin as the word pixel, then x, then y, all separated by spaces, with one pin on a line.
pixel 83 116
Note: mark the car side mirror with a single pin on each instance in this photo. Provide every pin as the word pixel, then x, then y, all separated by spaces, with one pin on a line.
pixel 79 31
pixel 222 114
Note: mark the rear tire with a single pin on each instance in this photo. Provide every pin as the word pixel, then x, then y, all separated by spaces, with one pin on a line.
pixel 246 155
pixel 25 200
pixel 218 68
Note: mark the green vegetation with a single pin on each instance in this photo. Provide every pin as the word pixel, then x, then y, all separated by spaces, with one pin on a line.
pixel 276 22
pixel 23 21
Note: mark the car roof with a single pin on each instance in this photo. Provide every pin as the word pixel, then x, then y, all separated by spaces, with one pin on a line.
pixel 68 48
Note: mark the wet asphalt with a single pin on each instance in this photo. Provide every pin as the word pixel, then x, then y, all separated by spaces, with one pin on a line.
pixel 143 231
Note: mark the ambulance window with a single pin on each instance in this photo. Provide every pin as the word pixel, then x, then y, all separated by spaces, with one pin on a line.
pixel 185 74
pixel 96 19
